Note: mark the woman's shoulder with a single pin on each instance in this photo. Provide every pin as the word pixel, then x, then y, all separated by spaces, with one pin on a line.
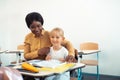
pixel 29 35
pixel 45 32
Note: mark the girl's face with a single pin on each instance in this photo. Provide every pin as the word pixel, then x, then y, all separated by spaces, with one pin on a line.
pixel 36 28
pixel 56 38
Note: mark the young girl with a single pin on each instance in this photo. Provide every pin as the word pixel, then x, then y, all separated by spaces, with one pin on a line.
pixel 58 52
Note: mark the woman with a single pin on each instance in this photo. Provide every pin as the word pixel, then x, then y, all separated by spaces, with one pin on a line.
pixel 37 42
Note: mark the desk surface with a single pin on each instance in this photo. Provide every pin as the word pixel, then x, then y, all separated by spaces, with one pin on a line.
pixel 48 73
pixel 85 52
pixel 2 51
pixel 15 51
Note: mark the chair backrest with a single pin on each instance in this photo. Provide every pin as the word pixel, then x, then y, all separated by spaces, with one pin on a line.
pixel 89 46
pixel 7 73
pixel 20 47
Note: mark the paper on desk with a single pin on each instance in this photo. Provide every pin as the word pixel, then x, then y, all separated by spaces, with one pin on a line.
pixel 17 67
pixel 59 69
pixel 48 63
pixel 34 61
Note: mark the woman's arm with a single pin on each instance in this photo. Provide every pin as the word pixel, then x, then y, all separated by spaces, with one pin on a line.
pixel 71 56
pixel 28 55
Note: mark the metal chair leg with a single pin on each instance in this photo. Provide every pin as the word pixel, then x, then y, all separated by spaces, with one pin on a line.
pixel 97 72
pixel 80 74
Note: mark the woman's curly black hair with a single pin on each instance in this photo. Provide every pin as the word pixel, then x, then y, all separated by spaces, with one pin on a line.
pixel 33 16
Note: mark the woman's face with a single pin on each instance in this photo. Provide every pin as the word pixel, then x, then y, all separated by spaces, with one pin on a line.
pixel 36 28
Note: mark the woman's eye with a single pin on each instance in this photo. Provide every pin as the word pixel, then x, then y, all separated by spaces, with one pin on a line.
pixel 32 27
pixel 39 25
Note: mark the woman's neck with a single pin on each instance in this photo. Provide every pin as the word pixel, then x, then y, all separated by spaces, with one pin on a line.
pixel 38 35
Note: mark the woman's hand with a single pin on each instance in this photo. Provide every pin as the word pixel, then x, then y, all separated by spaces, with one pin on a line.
pixel 70 58
pixel 42 53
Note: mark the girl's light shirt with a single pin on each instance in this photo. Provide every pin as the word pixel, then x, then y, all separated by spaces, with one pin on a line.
pixel 61 53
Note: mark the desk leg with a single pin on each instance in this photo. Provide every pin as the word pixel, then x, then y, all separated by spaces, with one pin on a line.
pixel 18 58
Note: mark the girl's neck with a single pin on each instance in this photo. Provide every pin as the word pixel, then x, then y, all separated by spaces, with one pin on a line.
pixel 57 47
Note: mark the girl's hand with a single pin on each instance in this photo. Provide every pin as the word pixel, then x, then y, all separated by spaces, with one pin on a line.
pixel 62 59
pixel 48 57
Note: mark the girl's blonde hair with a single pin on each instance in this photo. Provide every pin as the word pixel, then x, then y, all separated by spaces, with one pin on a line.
pixel 61 32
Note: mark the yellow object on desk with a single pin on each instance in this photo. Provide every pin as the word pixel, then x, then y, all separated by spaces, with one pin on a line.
pixel 60 69
pixel 29 67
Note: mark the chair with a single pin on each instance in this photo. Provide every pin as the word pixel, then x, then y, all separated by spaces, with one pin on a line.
pixel 87 48
pixel 20 49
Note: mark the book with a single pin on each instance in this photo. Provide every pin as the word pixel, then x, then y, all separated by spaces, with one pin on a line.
pixel 48 63
pixel 59 69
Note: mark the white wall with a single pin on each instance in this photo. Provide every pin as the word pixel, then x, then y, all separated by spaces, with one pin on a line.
pixel 82 20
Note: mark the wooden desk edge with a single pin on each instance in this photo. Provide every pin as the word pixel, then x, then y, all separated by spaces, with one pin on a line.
pixel 88 52
pixel 15 51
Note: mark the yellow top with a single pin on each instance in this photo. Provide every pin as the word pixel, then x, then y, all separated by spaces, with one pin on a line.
pixel 33 44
